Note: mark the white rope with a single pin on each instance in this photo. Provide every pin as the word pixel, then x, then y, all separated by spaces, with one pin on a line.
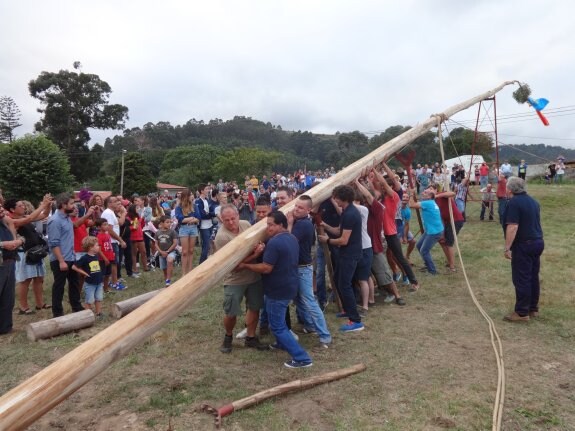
pixel 495 340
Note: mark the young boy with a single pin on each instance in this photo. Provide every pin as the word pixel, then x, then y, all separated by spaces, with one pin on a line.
pixel 106 254
pixel 167 240
pixel 89 267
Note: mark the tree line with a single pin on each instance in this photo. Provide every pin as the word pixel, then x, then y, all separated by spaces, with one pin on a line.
pixel 72 102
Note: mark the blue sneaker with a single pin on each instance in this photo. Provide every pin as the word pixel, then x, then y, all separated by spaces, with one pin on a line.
pixel 397 277
pixel 297 364
pixel 120 286
pixel 352 327
pixel 406 280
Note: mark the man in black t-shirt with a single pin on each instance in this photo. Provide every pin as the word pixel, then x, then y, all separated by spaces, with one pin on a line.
pixel 350 252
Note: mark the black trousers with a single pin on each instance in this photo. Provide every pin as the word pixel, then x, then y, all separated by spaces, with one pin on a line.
pixel 7 295
pixel 394 244
pixel 60 278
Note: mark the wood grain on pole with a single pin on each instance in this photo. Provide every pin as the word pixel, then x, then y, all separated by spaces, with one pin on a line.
pixel 122 308
pixel 60 325
pixel 25 403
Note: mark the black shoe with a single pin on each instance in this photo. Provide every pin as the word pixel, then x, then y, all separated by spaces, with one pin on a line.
pixel 227 344
pixel 254 343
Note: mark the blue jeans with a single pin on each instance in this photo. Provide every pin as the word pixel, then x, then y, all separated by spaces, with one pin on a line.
pixel 460 204
pixel 483 181
pixel 424 246
pixel 308 308
pixel 502 204
pixel 320 275
pixel 276 309
pixel 205 235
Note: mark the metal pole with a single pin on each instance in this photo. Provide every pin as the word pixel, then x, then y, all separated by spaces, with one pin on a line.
pixel 122 175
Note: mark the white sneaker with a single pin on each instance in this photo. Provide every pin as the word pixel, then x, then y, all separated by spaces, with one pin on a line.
pixel 243 334
pixel 294 335
pixel 389 298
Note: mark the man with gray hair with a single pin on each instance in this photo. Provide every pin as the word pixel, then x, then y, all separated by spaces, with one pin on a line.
pixel 239 284
pixel 523 246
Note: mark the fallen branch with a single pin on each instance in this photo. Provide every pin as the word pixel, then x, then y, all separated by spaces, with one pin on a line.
pixel 296 385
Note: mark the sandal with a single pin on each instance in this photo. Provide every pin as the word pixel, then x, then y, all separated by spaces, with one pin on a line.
pixel 26 312
pixel 44 307
pixel 413 288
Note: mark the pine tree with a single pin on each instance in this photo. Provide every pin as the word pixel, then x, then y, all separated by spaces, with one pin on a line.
pixel 9 118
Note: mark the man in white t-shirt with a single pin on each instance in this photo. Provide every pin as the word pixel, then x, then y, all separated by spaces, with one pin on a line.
pixel 114 206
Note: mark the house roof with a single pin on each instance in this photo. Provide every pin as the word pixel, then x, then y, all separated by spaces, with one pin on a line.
pixel 168 186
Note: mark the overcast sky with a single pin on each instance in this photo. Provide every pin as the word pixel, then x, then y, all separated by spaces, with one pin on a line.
pixel 322 66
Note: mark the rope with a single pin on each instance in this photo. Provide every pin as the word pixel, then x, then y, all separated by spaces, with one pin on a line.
pixel 495 340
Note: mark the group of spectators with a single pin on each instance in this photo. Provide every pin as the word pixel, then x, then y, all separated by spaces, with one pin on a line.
pixel 361 230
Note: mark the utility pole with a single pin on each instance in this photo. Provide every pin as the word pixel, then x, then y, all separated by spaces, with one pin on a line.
pixel 122 174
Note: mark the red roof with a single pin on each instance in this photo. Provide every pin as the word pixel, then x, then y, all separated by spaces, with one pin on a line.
pixel 168 186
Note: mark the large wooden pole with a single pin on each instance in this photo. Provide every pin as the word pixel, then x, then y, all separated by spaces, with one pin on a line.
pixel 25 403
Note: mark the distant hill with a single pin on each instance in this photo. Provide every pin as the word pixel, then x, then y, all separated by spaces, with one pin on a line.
pixel 533 154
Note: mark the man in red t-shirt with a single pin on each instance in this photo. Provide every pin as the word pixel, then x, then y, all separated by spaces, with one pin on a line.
pixel 379 265
pixel 389 187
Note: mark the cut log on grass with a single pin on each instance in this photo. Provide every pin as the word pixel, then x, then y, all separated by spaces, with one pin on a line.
pixel 60 325
pixel 120 309
pixel 22 405
pixel 293 386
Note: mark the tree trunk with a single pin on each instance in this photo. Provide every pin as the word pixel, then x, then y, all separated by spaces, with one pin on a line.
pixel 120 309
pixel 24 404
pixel 60 325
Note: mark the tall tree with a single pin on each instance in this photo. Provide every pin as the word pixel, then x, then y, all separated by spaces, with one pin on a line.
pixel 137 175
pixel 74 102
pixel 32 166
pixel 9 118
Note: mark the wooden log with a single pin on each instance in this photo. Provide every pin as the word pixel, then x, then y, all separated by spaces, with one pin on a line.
pixel 122 308
pixel 293 386
pixel 60 325
pixel 22 405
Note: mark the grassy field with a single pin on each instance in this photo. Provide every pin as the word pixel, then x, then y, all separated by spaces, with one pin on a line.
pixel 430 365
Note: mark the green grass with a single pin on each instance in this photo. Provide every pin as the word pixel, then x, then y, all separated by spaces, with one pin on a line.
pixel 431 359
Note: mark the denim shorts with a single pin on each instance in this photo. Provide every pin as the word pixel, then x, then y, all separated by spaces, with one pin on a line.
pixel 116 248
pixel 93 292
pixel 164 260
pixel 187 230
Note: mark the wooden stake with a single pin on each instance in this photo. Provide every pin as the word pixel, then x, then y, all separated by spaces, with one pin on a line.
pixel 24 404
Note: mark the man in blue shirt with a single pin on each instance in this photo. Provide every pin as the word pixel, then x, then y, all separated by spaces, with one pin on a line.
pixel 279 269
pixel 308 310
pixel 61 242
pixel 432 225
pixel 350 253
pixel 524 246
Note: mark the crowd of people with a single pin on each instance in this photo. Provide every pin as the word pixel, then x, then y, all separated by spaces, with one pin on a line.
pixel 365 231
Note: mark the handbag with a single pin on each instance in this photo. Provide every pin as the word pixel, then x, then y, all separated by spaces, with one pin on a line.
pixel 36 254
